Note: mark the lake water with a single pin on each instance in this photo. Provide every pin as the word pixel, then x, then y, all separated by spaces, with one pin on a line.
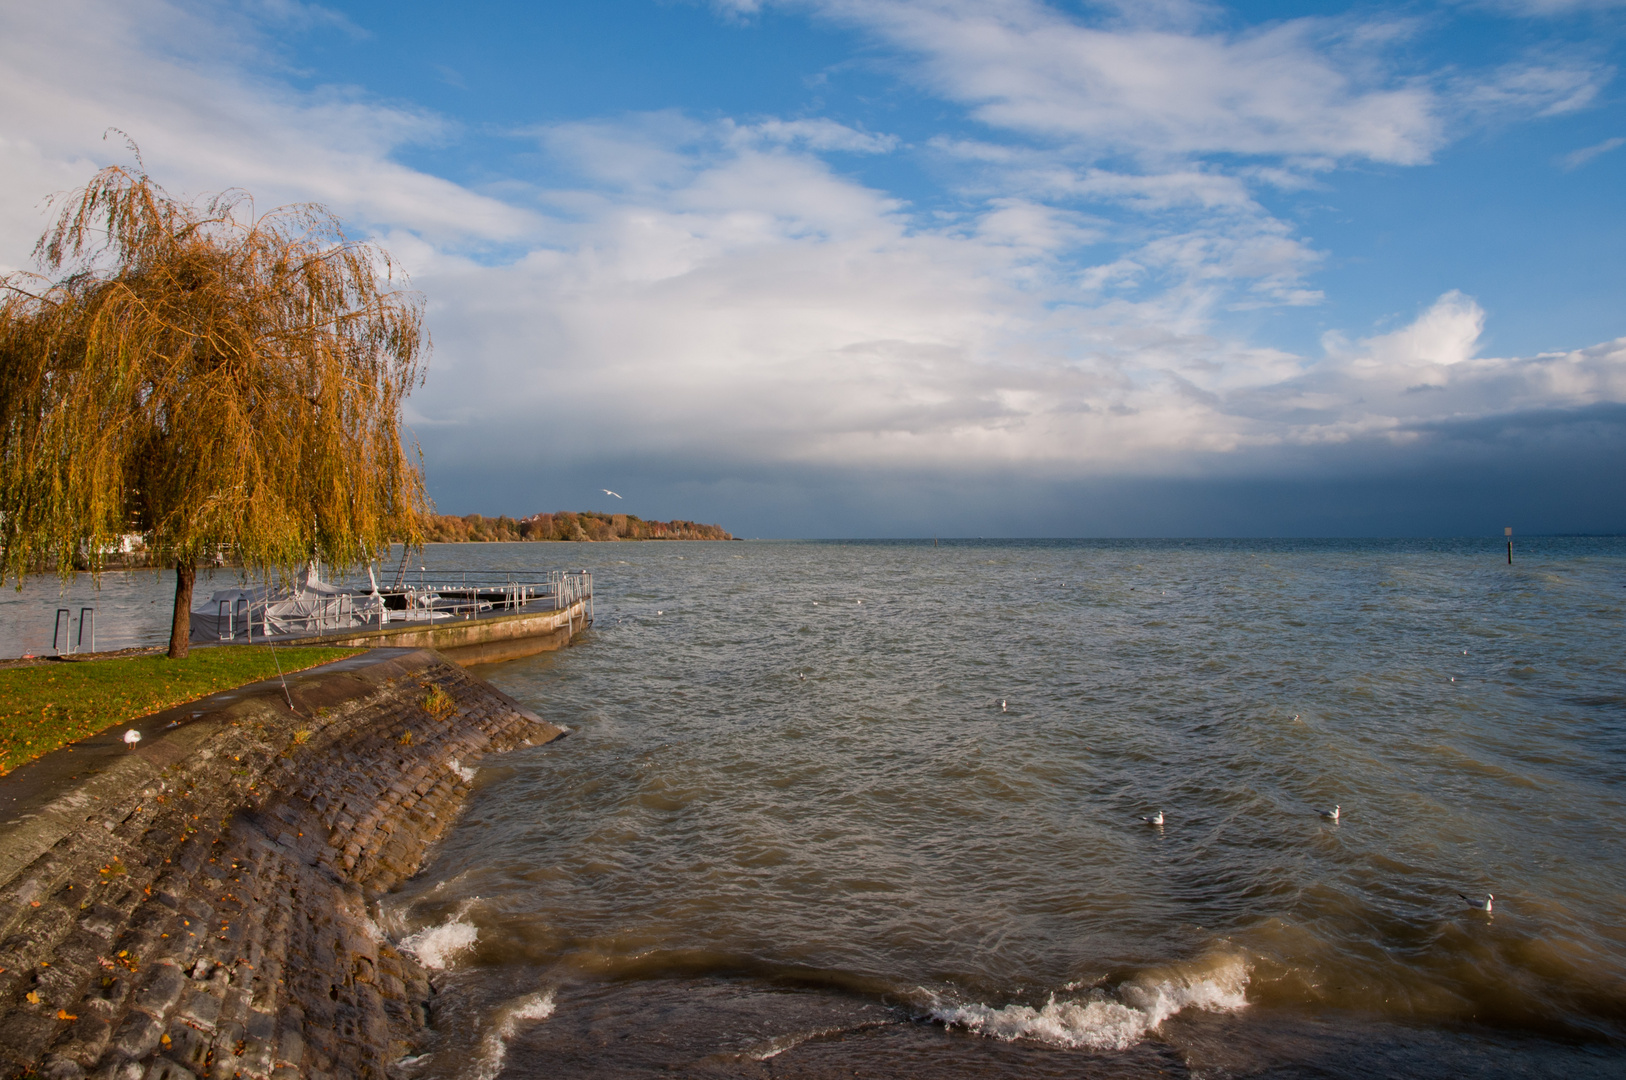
pixel 874 809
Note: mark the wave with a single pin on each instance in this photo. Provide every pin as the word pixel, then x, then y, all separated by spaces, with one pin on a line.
pixel 436 946
pixel 779 1044
pixel 1105 1020
pixel 505 1024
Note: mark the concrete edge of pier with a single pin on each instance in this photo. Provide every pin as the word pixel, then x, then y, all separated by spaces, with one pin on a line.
pixel 482 639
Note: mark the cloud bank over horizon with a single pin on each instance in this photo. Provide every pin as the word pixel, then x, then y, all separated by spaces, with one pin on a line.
pixel 1060 310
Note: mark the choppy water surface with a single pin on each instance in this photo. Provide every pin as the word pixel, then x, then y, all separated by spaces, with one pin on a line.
pixel 796 832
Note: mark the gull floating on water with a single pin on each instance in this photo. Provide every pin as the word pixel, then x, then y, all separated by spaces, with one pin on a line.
pixel 1480 905
pixel 1153 819
pixel 132 737
pixel 607 491
pixel 1333 814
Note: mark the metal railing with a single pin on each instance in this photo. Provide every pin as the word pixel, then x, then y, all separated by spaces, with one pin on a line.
pixel 63 641
pixel 443 596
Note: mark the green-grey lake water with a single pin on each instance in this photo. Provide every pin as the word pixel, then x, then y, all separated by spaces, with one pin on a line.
pixel 875 808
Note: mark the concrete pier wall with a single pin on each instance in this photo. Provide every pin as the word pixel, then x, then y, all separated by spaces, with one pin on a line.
pixel 197 906
pixel 483 640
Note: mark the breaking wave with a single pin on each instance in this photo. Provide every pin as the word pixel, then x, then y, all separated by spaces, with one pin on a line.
pixel 504 1026
pixel 436 946
pixel 1105 1021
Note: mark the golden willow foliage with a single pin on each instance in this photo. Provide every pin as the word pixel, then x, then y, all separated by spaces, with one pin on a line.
pixel 209 378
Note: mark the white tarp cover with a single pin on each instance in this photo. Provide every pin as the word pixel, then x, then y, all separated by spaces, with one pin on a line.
pixel 310 607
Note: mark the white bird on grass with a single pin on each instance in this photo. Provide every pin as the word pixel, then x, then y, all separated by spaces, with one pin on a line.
pixel 132 737
pixel 1480 905
pixel 607 491
pixel 1333 814
pixel 1153 819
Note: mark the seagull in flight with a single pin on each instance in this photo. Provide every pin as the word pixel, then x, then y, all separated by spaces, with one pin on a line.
pixel 1480 905
pixel 607 491
pixel 1154 819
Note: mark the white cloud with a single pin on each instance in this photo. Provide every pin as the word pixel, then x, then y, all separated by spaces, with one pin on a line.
pixel 1024 66
pixel 766 310
pixel 176 83
pixel 1532 88
pixel 817 134
pixel 293 15
pixel 717 290
pixel 1545 9
pixel 1446 334
pixel 1576 158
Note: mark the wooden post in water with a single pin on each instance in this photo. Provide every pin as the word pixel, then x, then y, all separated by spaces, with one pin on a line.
pixel 1508 532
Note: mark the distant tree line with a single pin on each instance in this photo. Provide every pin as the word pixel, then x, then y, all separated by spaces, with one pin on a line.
pixel 564 525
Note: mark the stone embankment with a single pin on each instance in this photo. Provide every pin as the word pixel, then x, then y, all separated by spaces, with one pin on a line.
pixel 198 906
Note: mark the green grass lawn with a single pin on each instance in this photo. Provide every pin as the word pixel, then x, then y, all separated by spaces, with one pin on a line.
pixel 45 706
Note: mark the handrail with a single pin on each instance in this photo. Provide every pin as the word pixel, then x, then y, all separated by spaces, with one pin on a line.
pixel 473 595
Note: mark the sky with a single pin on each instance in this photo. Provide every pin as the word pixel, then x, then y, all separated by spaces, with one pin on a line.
pixel 892 268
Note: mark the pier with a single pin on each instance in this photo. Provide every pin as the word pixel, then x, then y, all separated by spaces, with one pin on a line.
pixel 470 617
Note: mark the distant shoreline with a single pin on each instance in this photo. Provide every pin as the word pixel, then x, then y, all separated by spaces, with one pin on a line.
pixel 612 540
pixel 564 525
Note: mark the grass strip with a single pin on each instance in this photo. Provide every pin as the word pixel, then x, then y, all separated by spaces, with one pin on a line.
pixel 45 706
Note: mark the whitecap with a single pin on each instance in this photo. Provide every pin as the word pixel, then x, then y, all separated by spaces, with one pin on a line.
pixel 504 1026
pixel 436 946
pixel 1107 1023
pixel 465 773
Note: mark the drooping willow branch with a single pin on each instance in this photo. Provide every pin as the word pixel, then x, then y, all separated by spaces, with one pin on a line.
pixel 209 378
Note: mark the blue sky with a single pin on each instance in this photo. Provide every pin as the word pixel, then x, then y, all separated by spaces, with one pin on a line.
pixel 904 267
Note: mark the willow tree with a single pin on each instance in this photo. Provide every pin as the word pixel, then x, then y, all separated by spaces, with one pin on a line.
pixel 217 380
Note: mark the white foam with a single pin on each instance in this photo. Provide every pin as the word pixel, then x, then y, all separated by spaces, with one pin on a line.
pixel 466 774
pixel 436 946
pixel 791 1040
pixel 504 1026
pixel 1101 1023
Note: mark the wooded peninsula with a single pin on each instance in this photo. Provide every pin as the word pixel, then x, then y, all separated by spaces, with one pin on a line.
pixel 564 525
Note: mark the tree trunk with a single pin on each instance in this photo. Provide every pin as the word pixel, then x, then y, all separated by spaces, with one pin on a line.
pixel 180 629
